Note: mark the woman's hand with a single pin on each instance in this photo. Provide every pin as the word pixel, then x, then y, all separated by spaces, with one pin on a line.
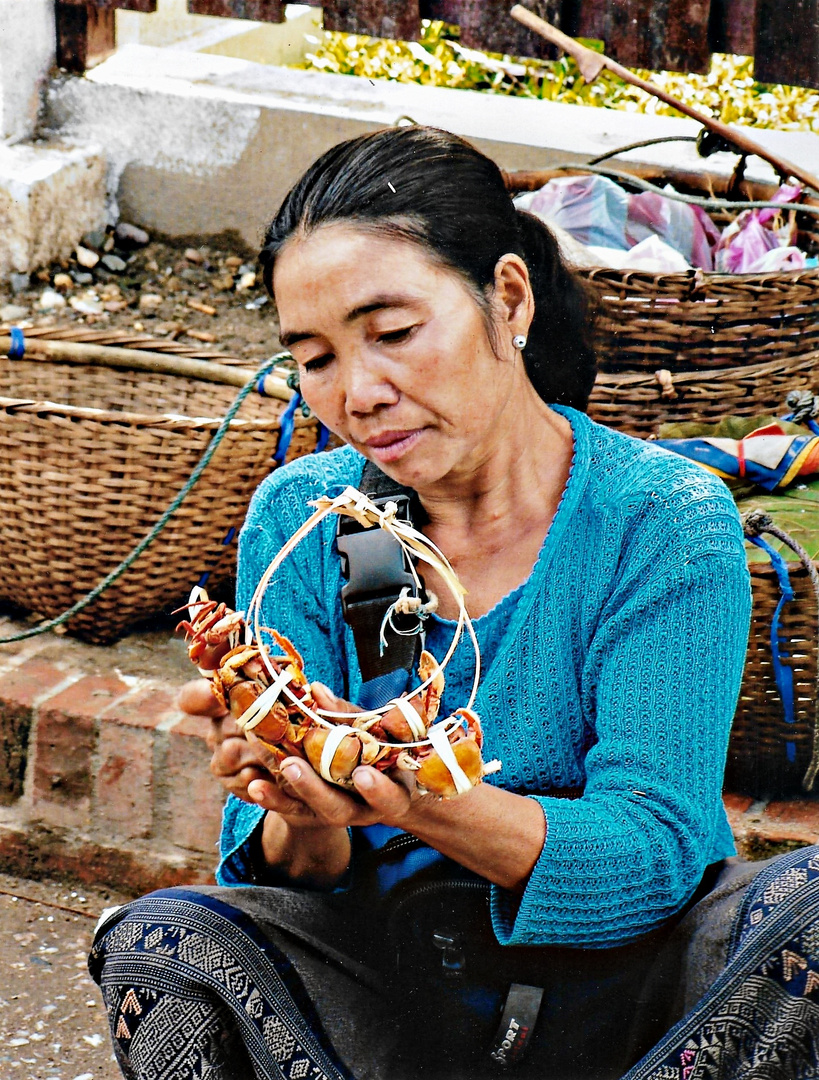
pixel 306 800
pixel 235 762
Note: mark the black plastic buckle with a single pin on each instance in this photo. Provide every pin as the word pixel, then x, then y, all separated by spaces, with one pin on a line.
pixel 372 560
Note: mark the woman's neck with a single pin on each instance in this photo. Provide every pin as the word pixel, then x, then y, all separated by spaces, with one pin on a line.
pixel 522 471
pixel 491 519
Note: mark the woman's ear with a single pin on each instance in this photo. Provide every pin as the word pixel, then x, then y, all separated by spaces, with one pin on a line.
pixel 513 302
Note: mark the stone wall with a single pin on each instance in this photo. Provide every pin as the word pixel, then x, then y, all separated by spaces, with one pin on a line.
pixel 26 55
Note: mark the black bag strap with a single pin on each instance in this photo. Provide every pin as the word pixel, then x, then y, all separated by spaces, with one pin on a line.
pixel 377 572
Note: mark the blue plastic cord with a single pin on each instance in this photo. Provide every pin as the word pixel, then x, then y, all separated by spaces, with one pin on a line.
pixel 782 673
pixel 287 423
pixel 809 423
pixel 18 344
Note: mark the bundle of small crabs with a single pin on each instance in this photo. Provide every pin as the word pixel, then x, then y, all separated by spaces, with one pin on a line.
pixel 258 676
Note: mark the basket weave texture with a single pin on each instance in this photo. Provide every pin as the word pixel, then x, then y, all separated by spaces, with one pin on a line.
pixel 91 457
pixel 639 403
pixel 768 757
pixel 694 321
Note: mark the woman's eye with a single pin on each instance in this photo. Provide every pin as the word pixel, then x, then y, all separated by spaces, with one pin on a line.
pixel 391 336
pixel 316 363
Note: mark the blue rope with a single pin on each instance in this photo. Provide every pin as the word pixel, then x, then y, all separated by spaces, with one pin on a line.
pixel 782 673
pixel 286 425
pixel 323 438
pixel 18 344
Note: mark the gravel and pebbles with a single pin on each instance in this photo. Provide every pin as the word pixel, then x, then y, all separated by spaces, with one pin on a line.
pixel 208 294
pixel 52 1022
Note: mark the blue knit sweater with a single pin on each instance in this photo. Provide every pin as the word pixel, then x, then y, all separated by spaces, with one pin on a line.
pixel 614 668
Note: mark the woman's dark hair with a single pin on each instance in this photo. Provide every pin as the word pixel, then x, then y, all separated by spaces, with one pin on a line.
pixel 436 190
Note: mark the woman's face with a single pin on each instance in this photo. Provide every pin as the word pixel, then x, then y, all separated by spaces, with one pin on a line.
pixel 393 352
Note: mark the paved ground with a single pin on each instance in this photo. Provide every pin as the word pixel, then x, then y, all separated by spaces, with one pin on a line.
pixel 52 1023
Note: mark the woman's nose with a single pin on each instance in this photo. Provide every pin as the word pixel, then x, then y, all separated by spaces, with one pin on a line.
pixel 367 389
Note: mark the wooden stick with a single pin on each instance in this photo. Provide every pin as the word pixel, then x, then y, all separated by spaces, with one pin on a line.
pixel 592 63
pixel 72 352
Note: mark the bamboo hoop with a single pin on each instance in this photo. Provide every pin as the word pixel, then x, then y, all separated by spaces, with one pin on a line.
pixel 355 504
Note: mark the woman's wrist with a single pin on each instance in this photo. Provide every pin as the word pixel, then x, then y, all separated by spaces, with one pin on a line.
pixel 316 855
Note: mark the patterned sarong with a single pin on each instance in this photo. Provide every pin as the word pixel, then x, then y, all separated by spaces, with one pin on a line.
pixel 760 1020
pixel 194 990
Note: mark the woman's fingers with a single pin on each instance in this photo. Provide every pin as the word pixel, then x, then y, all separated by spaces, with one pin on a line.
pixel 238 783
pixel 232 755
pixel 277 796
pixel 326 699
pixel 381 798
pixel 197 697
pixel 388 800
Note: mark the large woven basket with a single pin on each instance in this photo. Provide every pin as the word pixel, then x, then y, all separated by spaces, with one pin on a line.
pixel 638 403
pixel 768 757
pixel 90 457
pixel 691 320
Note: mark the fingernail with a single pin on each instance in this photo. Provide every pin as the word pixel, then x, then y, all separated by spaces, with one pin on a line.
pixel 363 779
pixel 256 794
pixel 291 772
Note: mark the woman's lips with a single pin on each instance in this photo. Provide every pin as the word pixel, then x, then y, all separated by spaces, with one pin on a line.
pixel 391 445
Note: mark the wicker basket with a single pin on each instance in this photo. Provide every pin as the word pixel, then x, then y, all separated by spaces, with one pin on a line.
pixel 91 457
pixel 690 321
pixel 768 757
pixel 639 402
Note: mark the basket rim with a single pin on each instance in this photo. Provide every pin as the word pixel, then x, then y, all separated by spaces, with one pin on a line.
pixel 168 421
pixel 711 277
pixel 761 569
pixel 703 374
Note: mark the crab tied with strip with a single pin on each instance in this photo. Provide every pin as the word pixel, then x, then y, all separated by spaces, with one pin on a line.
pixel 266 690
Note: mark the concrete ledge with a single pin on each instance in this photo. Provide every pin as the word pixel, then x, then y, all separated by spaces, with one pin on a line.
pixel 202 143
pixel 49 196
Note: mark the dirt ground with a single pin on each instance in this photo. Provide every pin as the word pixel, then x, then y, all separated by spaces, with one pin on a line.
pixel 52 1022
pixel 205 295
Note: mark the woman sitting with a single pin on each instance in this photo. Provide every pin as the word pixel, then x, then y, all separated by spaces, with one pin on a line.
pixel 566 913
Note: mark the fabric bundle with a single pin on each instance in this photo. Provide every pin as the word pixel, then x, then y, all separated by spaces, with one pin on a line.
pixel 651 232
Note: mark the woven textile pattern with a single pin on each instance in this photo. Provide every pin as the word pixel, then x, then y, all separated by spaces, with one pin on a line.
pixel 193 995
pixel 615 669
pixel 761 1018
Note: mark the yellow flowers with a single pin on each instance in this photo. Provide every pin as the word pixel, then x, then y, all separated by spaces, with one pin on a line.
pixel 729 91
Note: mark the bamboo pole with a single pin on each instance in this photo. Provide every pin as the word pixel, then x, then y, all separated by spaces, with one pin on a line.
pixel 592 63
pixel 72 352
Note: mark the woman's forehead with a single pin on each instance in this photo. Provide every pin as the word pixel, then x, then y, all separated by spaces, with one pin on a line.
pixel 352 271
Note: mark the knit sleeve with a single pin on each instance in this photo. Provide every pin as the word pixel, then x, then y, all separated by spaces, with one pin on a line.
pixel 294 604
pixel 661 680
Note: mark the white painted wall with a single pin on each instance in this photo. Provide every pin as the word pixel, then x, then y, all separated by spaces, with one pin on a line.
pixel 27 45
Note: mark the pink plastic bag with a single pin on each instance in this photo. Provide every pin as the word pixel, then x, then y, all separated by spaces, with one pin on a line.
pixel 747 244
pixel 686 228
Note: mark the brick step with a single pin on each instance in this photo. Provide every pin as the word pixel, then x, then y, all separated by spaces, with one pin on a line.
pixel 102 778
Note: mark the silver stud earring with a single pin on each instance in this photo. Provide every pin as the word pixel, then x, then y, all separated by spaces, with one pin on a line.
pixel 519 341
